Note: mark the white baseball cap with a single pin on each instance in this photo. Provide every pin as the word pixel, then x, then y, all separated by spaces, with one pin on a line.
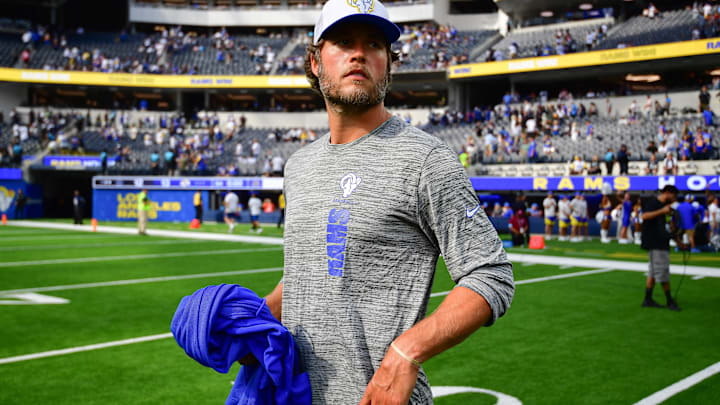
pixel 367 11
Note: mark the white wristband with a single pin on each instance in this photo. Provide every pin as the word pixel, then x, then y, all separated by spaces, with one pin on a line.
pixel 404 356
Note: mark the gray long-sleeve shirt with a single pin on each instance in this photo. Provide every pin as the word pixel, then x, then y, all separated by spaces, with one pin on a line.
pixel 365 224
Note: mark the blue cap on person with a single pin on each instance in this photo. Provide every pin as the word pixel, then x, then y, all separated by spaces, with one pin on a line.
pixel 367 11
pixel 507 204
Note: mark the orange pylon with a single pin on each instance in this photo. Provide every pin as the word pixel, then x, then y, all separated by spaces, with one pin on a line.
pixel 4 219
pixel 93 223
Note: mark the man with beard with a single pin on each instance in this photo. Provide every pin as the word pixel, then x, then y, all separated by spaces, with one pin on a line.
pixel 369 208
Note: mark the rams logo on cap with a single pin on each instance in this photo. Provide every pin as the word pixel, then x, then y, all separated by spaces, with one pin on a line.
pixel 362 6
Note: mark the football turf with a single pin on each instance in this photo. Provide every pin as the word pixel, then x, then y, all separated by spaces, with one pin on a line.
pixel 582 339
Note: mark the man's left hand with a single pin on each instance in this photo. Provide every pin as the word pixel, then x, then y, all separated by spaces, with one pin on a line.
pixel 393 382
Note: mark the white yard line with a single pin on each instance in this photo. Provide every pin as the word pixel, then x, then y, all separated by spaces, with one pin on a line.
pixel 167 335
pixel 88 245
pixel 265 240
pixel 87 348
pixel 4 233
pixel 540 279
pixel 682 385
pixel 138 281
pixel 60 236
pixel 607 264
pixel 135 257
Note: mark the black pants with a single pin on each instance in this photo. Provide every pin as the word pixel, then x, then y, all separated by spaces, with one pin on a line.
pixel 282 217
pixel 20 211
pixel 198 213
pixel 518 239
pixel 609 166
pixel 77 214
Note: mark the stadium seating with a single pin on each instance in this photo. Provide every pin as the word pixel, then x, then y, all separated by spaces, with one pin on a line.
pixel 529 41
pixel 10 48
pixel 671 26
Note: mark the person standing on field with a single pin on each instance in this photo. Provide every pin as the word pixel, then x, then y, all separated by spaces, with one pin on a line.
pixel 371 206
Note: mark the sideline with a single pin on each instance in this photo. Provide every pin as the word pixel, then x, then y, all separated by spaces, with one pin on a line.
pixel 135 257
pixel 71 350
pixel 267 240
pixel 614 264
pixel 680 386
pixel 137 281
pixel 513 257
pixel 88 245
pixel 539 279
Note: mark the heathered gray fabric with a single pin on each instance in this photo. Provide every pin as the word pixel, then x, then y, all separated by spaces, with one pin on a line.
pixel 409 207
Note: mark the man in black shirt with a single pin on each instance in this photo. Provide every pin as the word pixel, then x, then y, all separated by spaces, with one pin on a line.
pixel 656 240
pixel 704 98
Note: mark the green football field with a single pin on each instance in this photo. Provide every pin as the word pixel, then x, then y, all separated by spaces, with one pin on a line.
pixel 579 338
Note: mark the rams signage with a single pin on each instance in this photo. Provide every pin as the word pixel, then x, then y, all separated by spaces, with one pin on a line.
pixel 595 183
pixel 114 205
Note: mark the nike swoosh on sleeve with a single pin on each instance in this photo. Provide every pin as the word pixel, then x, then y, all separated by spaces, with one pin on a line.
pixel 470 212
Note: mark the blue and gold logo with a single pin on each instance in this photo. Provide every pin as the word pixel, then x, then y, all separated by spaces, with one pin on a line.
pixel 362 6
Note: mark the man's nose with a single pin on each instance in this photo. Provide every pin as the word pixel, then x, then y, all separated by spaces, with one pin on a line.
pixel 358 52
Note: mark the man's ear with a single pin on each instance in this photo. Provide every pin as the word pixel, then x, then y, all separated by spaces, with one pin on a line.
pixel 314 65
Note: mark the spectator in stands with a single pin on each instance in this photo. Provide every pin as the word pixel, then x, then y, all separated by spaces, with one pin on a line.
pixel 594 166
pixel 701 146
pixel 577 166
pixel 703 99
pixel 708 116
pixel 652 166
pixel 623 157
pixel 670 164
pixel 609 161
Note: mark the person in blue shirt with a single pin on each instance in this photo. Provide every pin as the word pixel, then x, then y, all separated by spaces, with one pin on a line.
pixel 532 151
pixel 687 220
pixel 155 162
pixel 627 208
pixel 507 212
pixel 507 98
pixel 708 116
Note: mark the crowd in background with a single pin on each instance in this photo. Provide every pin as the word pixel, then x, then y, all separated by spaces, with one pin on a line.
pixel 153 53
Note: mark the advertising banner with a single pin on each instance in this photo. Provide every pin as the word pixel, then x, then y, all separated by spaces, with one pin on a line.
pixel 152 80
pixel 121 205
pixel 187 183
pixel 595 183
pixel 592 58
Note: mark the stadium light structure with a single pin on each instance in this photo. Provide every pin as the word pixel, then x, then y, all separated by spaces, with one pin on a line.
pixel 585 6
pixel 547 13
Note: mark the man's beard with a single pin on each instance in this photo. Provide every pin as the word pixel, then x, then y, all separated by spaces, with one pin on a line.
pixel 358 99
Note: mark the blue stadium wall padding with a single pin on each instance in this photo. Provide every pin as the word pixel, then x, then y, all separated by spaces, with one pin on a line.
pixel 8 195
pixel 121 205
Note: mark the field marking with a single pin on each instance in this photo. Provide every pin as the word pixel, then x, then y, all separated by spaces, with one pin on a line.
pixel 680 386
pixel 8 234
pixel 87 348
pixel 87 245
pixel 155 337
pixel 31 298
pixel 698 277
pixel 540 279
pixel 62 236
pixel 134 257
pixel 615 264
pixel 502 399
pixel 265 240
pixel 139 281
